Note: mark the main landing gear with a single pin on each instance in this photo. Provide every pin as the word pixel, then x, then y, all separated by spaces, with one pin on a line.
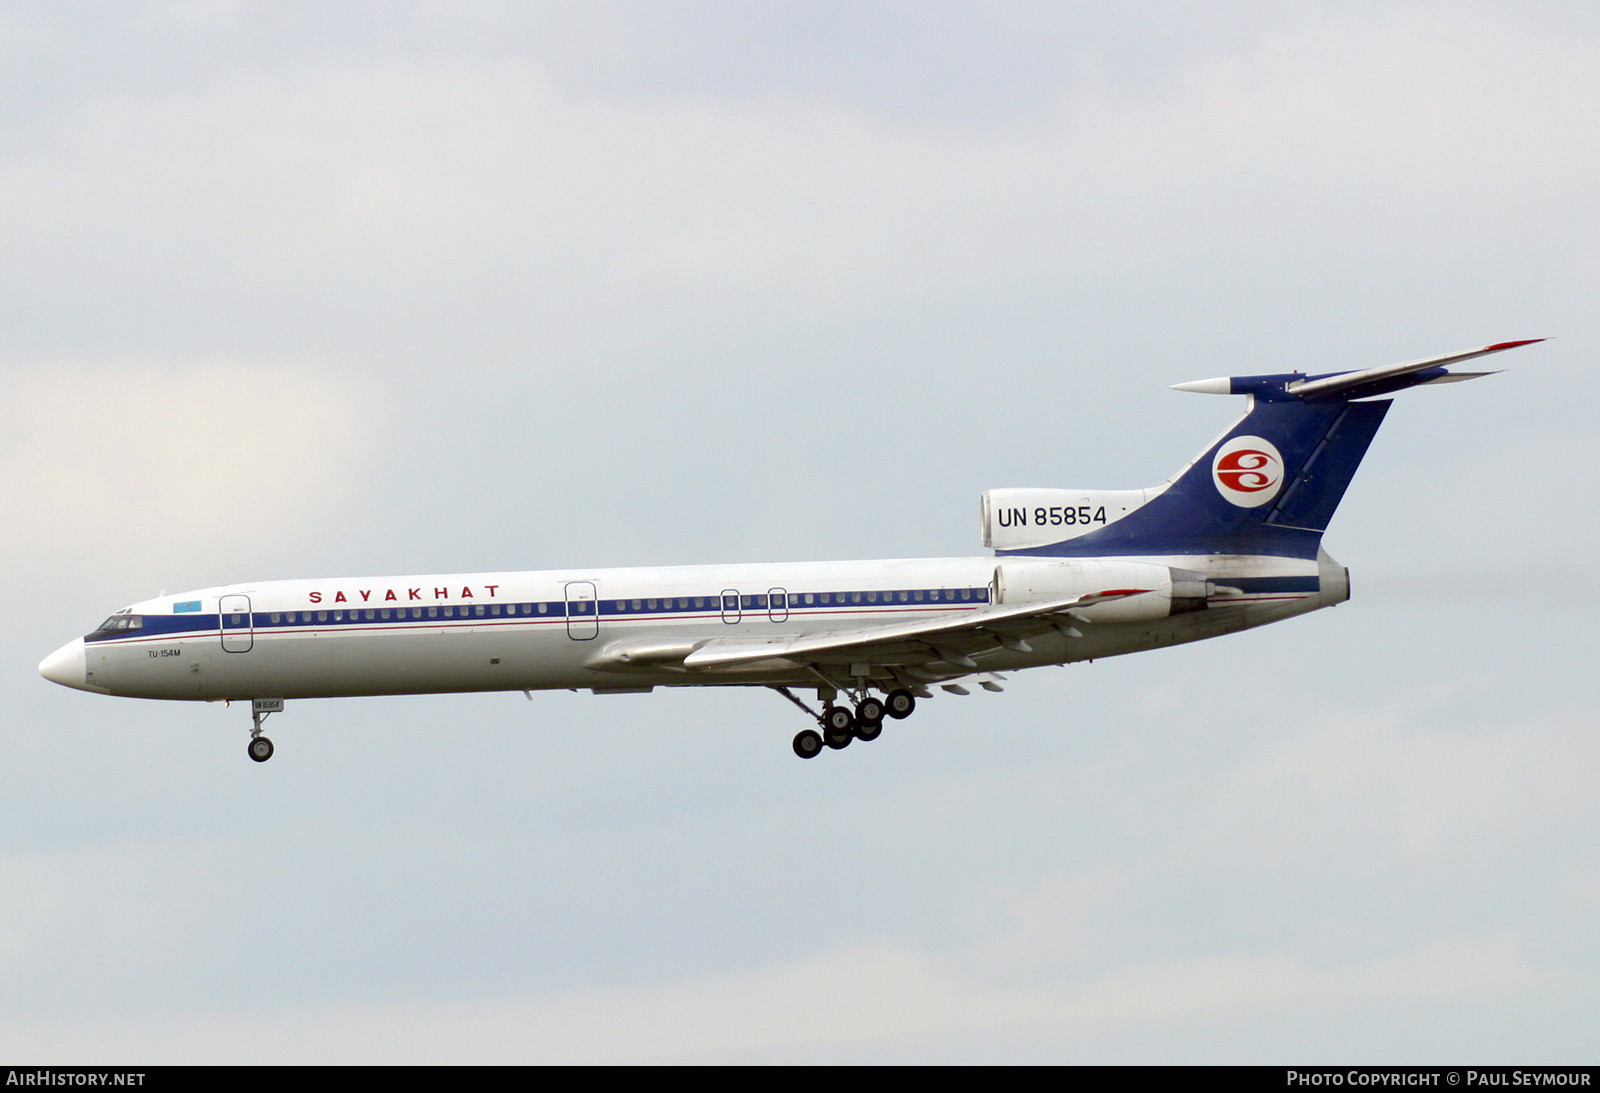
pixel 839 724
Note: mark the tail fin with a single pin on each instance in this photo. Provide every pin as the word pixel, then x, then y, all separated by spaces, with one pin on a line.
pixel 1268 486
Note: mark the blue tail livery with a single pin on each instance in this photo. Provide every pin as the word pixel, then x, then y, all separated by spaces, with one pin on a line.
pixel 1268 486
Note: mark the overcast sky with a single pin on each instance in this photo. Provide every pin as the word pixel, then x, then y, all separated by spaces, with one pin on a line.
pixel 307 290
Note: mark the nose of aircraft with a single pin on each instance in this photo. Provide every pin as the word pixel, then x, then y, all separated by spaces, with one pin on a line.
pixel 66 665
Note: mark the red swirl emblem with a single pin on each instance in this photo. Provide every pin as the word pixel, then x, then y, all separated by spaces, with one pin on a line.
pixel 1248 470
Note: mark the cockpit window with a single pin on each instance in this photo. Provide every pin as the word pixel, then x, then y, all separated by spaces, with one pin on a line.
pixel 118 624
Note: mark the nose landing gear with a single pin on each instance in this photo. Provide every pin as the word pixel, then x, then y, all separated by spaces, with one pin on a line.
pixel 260 710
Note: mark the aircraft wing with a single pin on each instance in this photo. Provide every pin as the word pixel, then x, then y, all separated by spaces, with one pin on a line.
pixel 945 639
pixel 950 639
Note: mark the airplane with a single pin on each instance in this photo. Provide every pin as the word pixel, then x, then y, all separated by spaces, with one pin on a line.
pixel 1231 541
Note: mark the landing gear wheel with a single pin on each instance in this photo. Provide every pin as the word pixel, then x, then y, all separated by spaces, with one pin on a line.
pixel 808 744
pixel 869 730
pixel 261 749
pixel 900 704
pixel 869 711
pixel 838 727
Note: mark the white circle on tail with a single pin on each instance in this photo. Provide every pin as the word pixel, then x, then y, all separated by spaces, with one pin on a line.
pixel 1248 471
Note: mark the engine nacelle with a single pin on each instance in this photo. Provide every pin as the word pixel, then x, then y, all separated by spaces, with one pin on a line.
pixel 1166 590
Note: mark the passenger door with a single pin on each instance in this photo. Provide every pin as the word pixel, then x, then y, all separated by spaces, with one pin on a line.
pixel 233 620
pixel 583 611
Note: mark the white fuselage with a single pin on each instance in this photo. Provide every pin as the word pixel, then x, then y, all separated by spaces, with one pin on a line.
pixel 597 629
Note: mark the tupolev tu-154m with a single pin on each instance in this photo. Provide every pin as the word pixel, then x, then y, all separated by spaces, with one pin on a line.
pixel 1232 541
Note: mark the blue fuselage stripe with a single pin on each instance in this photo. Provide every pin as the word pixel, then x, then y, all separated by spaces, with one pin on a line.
pixel 778 606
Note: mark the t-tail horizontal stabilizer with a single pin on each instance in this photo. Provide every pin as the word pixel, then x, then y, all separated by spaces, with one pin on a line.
pixel 1365 383
pixel 1268 487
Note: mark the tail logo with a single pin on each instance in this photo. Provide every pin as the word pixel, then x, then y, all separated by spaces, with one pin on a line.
pixel 1248 471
